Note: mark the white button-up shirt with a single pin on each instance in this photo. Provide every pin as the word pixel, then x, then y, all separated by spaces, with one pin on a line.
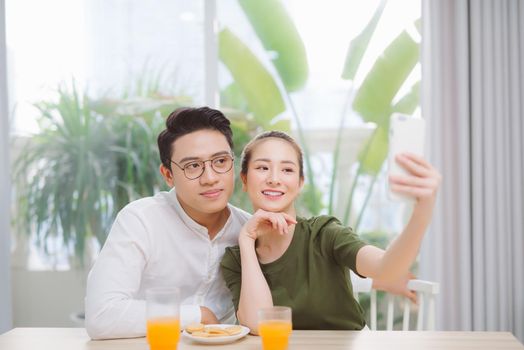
pixel 154 243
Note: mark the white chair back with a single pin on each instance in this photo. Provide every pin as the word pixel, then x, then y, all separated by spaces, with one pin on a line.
pixel 426 292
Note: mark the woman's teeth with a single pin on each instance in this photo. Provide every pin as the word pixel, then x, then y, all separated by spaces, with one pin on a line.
pixel 272 193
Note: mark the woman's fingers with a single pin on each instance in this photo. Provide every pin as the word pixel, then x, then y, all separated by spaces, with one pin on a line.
pixel 279 222
pixel 423 180
pixel 262 220
pixel 430 183
pixel 275 222
pixel 417 192
pixel 411 295
pixel 418 159
pixel 291 220
pixel 411 181
pixel 282 223
pixel 412 165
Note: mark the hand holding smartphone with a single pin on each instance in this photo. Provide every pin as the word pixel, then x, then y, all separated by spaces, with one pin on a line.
pixel 406 134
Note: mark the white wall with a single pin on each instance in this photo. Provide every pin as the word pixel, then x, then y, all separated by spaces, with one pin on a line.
pixel 42 298
pixel 60 295
pixel 5 288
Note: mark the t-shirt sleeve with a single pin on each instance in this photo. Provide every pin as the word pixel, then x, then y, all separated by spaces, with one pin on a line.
pixel 232 272
pixel 343 243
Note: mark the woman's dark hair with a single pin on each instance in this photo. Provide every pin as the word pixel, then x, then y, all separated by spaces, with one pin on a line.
pixel 248 149
pixel 185 120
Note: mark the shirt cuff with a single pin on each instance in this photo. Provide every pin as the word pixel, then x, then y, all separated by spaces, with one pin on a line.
pixel 189 314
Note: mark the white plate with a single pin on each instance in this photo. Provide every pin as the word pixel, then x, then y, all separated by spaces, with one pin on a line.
pixel 218 340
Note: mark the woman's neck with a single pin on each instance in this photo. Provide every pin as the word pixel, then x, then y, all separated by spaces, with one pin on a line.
pixel 272 246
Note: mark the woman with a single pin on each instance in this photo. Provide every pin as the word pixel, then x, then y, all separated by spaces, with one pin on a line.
pixel 286 260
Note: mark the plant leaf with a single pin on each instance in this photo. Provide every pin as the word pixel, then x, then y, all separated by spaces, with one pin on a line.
pixel 232 96
pixel 279 35
pixel 282 125
pixel 359 44
pixel 256 83
pixel 373 156
pixel 373 99
pixel 409 102
pixel 390 70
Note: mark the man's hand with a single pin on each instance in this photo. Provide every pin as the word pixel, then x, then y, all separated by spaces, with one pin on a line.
pixel 208 317
pixel 398 287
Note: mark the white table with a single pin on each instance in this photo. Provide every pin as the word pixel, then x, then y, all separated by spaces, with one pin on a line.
pixel 77 339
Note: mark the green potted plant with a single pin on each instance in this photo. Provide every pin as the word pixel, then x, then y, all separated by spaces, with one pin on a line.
pixel 90 158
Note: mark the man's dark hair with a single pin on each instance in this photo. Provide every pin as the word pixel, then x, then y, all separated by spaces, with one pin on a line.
pixel 185 120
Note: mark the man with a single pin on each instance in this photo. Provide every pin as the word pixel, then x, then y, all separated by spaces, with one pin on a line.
pixel 175 238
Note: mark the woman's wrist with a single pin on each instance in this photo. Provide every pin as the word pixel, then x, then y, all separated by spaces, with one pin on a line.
pixel 425 204
pixel 244 240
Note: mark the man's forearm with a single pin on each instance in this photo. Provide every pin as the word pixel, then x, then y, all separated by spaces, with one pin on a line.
pixel 207 316
pixel 115 319
pixel 127 318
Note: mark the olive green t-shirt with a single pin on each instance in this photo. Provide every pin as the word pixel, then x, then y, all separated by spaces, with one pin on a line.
pixel 311 277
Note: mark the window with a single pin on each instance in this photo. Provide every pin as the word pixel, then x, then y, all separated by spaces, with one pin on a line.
pixel 91 81
pixel 91 64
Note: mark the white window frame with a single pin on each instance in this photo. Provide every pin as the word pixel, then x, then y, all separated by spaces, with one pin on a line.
pixel 5 186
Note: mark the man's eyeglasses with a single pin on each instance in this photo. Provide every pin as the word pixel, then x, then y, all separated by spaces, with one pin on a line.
pixel 193 170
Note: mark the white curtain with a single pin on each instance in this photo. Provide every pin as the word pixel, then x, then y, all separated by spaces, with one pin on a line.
pixel 5 282
pixel 473 93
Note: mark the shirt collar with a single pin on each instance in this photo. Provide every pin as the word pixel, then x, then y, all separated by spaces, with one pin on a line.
pixel 192 224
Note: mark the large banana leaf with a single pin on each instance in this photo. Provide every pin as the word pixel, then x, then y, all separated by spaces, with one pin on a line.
pixel 232 97
pixel 357 49
pixel 409 102
pixel 278 34
pixel 358 46
pixel 373 157
pixel 256 83
pixel 374 98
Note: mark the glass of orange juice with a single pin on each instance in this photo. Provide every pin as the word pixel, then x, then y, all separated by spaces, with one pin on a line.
pixel 274 327
pixel 163 322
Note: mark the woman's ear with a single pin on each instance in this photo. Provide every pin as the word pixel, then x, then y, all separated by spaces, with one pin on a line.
pixel 301 184
pixel 243 178
pixel 167 175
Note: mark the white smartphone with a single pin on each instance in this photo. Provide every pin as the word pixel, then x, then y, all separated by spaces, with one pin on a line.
pixel 406 134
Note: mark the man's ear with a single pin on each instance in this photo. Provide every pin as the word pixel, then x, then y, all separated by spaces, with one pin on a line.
pixel 167 175
pixel 243 178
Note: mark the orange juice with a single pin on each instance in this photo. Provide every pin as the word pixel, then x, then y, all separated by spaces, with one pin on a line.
pixel 275 334
pixel 163 333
